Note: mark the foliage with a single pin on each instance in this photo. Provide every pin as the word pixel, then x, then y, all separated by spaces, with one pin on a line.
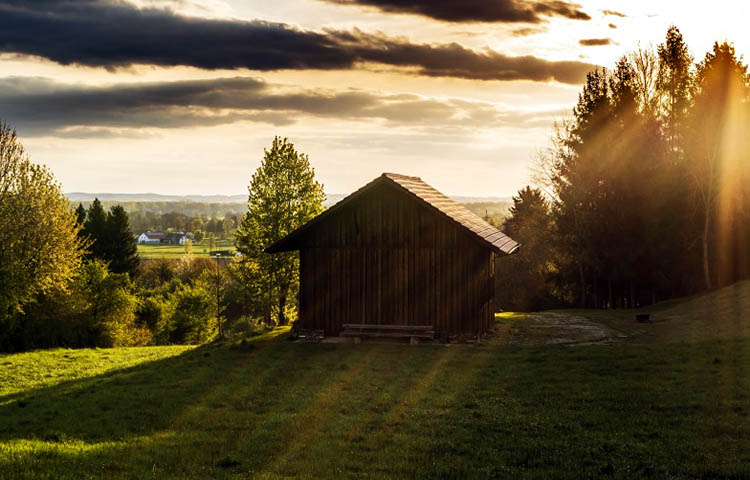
pixel 110 237
pixel 215 282
pixel 193 320
pixel 283 195
pixel 637 175
pixel 106 303
pixel 522 280
pixel 121 243
pixel 198 235
pixel 39 244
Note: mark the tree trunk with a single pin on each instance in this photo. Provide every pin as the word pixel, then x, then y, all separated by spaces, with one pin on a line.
pixel 282 306
pixel 706 268
pixel 583 285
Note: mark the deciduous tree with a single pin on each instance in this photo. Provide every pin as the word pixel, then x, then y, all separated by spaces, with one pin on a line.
pixel 283 195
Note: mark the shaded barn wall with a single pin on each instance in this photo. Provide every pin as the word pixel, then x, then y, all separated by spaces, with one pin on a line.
pixel 387 259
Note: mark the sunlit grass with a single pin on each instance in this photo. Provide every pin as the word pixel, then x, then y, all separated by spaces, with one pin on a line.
pixel 270 408
pixel 178 251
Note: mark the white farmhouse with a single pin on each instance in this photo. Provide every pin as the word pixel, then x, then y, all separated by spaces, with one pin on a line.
pixel 150 238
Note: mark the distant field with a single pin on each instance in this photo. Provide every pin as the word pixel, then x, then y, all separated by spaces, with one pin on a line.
pixel 178 251
pixel 268 408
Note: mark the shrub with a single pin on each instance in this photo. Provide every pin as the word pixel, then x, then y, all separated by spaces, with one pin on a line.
pixel 192 321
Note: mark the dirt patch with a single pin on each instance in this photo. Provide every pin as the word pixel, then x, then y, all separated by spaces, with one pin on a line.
pixel 551 328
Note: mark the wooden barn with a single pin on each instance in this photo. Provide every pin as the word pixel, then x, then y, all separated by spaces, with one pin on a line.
pixel 397 256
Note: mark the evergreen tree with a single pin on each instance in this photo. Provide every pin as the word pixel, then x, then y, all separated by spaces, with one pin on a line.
pixel 81 215
pixel 674 82
pixel 718 155
pixel 122 248
pixel 283 195
pixel 95 229
pixel 522 279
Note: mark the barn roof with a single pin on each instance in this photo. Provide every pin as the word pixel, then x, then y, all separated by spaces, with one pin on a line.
pixel 494 239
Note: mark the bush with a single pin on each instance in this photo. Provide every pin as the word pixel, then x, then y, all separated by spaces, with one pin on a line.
pixel 193 321
pixel 154 313
pixel 97 310
pixel 157 271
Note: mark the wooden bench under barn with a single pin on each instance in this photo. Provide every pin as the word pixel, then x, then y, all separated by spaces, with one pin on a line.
pixel 414 332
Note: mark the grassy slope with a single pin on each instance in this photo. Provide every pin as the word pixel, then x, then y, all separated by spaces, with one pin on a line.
pixel 721 314
pixel 272 408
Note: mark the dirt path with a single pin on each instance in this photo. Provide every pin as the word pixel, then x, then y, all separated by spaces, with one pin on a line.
pixel 551 328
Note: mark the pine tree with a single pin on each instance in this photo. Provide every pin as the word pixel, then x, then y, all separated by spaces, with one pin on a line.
pixel 95 228
pixel 717 149
pixel 122 248
pixel 674 81
pixel 283 195
pixel 81 214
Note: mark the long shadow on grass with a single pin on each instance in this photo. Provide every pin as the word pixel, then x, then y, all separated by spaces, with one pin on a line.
pixel 602 411
pixel 283 409
pixel 208 411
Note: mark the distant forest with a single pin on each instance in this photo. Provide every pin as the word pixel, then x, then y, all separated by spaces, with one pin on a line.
pixel 189 216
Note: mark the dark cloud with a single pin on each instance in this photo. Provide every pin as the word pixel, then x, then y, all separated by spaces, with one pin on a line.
pixel 115 34
pixel 38 107
pixel 454 60
pixel 614 13
pixel 612 25
pixel 491 11
pixel 595 42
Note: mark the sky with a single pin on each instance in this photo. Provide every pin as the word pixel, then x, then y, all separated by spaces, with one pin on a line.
pixel 182 96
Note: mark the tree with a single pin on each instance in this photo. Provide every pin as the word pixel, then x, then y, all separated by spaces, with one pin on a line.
pixel 198 235
pixel 81 215
pixel 227 226
pixel 215 282
pixel 717 135
pixel 193 321
pixel 95 229
pixel 39 245
pixel 107 304
pixel 674 81
pixel 121 245
pixel 522 280
pixel 283 195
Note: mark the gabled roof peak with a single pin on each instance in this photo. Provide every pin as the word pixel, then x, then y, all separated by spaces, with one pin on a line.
pixel 494 239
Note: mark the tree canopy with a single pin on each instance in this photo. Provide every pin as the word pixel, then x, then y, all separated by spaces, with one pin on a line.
pixel 39 244
pixel 283 195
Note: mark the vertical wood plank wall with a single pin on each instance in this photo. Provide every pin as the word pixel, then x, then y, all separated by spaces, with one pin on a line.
pixel 387 259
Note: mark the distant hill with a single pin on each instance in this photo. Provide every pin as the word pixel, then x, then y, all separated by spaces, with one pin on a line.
pixel 156 197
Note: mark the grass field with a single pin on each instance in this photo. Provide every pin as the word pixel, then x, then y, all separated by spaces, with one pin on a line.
pixel 178 251
pixel 676 407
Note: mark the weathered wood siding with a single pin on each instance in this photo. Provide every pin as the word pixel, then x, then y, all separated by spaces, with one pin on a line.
pixel 386 259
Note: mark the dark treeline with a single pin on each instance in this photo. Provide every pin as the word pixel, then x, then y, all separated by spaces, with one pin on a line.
pixel 641 196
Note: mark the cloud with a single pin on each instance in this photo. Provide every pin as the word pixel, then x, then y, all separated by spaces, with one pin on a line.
pixel 612 25
pixel 614 13
pixel 43 107
pixel 114 34
pixel 490 11
pixel 526 31
pixel 595 42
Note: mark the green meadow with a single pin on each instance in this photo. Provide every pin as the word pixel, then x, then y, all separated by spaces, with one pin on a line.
pixel 657 404
pixel 201 249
